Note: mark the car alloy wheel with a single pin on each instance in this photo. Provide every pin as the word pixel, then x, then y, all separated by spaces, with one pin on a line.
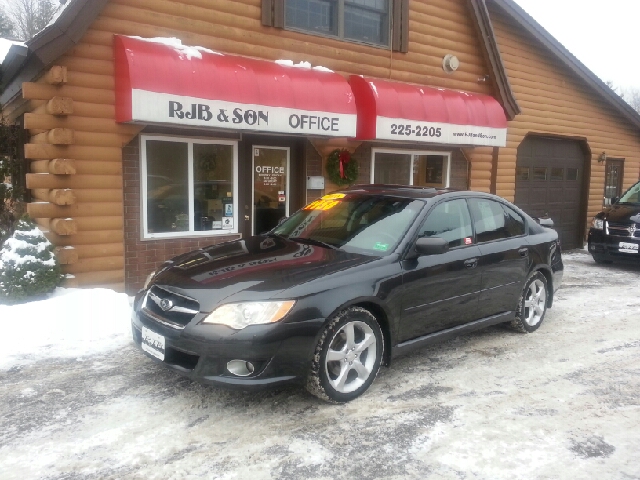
pixel 532 305
pixel 535 303
pixel 347 357
pixel 351 357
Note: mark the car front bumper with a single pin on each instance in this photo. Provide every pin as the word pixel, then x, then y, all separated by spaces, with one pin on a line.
pixel 608 247
pixel 280 353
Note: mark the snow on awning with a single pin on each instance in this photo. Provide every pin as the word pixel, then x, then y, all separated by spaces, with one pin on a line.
pixel 163 81
pixel 401 111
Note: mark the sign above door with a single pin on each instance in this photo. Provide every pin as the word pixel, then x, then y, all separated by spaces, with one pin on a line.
pixel 162 83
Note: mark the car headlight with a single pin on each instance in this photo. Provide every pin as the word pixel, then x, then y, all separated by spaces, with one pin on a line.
pixel 241 315
pixel 597 223
pixel 148 280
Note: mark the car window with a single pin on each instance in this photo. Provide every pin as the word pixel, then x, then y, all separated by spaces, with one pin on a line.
pixel 494 221
pixel 368 224
pixel 514 223
pixel 451 221
pixel 632 195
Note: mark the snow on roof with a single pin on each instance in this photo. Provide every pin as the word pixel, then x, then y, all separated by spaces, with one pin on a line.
pixel 175 43
pixel 191 51
pixel 61 8
pixel 302 64
pixel 5 45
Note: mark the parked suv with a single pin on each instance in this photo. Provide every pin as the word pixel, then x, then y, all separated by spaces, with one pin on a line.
pixel 615 232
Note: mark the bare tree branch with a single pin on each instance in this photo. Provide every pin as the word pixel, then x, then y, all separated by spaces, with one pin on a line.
pixel 30 16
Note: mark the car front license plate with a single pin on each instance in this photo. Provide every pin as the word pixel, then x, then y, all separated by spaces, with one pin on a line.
pixel 625 247
pixel 153 343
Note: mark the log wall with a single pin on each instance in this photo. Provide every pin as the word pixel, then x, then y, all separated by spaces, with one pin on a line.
pixel 75 154
pixel 76 146
pixel 555 101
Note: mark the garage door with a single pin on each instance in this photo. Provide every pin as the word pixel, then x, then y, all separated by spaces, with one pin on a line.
pixel 549 176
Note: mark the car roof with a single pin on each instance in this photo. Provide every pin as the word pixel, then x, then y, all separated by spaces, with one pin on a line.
pixel 408 191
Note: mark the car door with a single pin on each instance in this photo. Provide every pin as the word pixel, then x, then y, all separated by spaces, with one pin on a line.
pixel 441 291
pixel 504 260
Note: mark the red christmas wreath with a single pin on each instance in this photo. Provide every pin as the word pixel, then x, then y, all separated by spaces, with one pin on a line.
pixel 341 168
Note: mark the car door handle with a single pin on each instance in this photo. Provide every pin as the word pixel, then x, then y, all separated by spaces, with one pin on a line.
pixel 471 263
pixel 524 252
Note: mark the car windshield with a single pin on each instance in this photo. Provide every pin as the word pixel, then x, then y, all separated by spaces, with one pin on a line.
pixel 632 195
pixel 368 224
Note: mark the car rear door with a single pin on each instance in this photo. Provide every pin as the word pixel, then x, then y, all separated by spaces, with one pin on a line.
pixel 504 260
pixel 441 291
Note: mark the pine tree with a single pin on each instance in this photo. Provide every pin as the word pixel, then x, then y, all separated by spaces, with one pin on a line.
pixel 28 266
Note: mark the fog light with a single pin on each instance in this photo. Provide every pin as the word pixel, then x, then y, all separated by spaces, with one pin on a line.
pixel 241 368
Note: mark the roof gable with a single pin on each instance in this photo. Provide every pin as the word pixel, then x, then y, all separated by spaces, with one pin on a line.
pixel 526 22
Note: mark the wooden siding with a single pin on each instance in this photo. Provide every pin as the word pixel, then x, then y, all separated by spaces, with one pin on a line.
pixel 554 101
pixel 93 141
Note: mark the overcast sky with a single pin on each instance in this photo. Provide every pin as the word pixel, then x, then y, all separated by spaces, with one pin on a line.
pixel 603 34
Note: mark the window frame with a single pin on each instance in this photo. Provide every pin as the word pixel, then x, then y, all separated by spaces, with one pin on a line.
pixel 340 24
pixel 413 154
pixel 190 141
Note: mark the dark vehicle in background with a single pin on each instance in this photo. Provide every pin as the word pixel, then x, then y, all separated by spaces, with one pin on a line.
pixel 346 284
pixel 615 232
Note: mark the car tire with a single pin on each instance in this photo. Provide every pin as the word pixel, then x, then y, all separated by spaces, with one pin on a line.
pixel 532 304
pixel 347 357
pixel 600 260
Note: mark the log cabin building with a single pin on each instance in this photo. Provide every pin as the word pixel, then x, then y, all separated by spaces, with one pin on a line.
pixel 154 127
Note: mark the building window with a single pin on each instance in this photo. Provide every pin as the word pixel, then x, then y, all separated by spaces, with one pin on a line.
pixel 367 21
pixel 539 173
pixel 426 169
pixel 189 187
pixel 522 173
pixel 557 174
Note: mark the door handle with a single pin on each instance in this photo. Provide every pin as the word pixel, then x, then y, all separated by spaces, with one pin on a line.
pixel 471 263
pixel 524 252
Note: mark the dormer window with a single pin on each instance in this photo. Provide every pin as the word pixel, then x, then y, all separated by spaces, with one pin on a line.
pixel 380 23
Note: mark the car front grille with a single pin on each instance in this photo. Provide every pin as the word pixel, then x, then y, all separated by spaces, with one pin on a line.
pixel 169 308
pixel 623 229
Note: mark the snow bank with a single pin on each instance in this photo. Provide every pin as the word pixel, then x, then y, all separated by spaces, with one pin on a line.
pixel 71 323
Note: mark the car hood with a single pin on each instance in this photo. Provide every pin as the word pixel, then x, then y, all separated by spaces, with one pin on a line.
pixel 622 213
pixel 253 269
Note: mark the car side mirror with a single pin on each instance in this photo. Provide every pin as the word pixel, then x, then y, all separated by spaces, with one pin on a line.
pixel 545 222
pixel 431 246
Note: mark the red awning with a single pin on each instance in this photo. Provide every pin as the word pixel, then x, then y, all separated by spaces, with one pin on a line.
pixel 162 81
pixel 401 111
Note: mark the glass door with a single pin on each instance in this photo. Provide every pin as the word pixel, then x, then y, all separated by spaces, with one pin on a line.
pixel 270 187
pixel 613 179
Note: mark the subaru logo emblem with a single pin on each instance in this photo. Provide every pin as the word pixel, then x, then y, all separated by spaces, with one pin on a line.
pixel 632 230
pixel 166 304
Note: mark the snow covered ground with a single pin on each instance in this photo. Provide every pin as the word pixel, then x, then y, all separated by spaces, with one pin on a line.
pixel 72 323
pixel 79 401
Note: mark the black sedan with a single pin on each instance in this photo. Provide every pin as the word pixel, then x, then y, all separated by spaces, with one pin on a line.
pixel 346 284
pixel 615 232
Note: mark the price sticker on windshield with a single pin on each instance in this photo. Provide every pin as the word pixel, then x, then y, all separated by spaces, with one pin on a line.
pixel 334 196
pixel 326 203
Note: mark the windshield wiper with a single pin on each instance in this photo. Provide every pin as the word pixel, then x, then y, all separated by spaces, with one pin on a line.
pixel 313 241
pixel 276 235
